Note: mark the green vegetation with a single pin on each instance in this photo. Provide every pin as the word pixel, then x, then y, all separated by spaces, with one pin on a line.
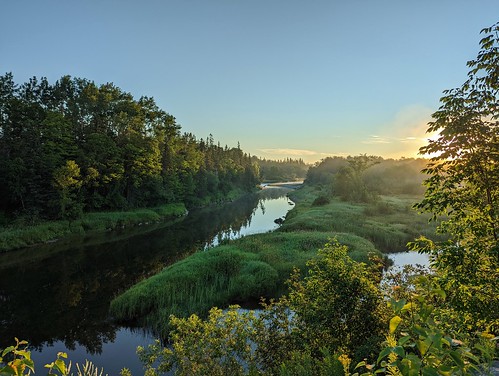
pixel 20 234
pixel 336 312
pixel 281 170
pixel 258 265
pixel 388 223
pixel 240 271
pixel 74 147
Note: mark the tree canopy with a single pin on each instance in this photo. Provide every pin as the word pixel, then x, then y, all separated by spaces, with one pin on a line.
pixel 74 145
pixel 463 185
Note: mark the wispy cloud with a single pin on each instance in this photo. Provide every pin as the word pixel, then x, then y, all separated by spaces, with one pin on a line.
pixel 377 140
pixel 403 135
pixel 307 155
pixel 296 152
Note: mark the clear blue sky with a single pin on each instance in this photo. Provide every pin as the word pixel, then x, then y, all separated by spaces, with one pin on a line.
pixel 285 78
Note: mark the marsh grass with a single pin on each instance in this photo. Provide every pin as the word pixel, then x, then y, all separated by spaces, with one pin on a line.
pixel 243 270
pixel 257 266
pixel 388 223
pixel 16 236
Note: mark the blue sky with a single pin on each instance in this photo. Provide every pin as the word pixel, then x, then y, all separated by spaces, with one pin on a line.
pixel 285 78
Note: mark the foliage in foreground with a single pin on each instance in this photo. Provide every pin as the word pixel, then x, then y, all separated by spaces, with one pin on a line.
pixel 463 183
pixel 16 360
pixel 295 336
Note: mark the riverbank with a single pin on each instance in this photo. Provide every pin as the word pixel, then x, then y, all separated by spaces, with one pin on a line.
pixel 18 236
pixel 258 265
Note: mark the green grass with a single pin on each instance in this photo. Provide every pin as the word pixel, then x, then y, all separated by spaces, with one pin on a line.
pixel 236 272
pixel 388 223
pixel 248 268
pixel 14 237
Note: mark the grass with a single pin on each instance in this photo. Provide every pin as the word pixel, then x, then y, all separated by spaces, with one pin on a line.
pixel 388 223
pixel 248 268
pixel 238 271
pixel 14 237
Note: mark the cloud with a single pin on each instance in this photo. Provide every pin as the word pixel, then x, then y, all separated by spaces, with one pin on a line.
pixel 295 152
pixel 377 140
pixel 403 135
pixel 308 156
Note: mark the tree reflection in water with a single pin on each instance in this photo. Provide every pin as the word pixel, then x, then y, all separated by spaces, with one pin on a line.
pixel 61 292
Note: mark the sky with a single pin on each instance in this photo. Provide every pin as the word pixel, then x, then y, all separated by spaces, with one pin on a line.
pixel 284 78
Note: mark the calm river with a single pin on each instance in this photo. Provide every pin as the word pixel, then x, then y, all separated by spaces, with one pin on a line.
pixel 57 296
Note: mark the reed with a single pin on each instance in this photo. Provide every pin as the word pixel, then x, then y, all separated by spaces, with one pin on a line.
pixel 16 236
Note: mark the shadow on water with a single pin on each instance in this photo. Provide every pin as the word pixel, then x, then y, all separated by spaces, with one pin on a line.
pixel 61 292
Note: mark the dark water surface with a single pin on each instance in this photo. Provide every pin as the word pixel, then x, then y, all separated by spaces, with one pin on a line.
pixel 56 296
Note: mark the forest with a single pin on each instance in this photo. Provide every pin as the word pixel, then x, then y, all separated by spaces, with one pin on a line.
pixel 74 146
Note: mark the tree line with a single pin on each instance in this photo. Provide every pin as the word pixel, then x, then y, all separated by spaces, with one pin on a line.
pixel 75 146
pixel 282 170
pixel 362 178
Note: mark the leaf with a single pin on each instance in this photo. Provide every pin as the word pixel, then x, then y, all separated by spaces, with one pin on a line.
pixel 8 370
pixel 403 340
pixel 399 350
pixel 382 354
pixel 7 350
pixel 61 366
pixel 430 372
pixel 440 293
pixel 394 323
pixel 397 305
pixel 457 358
pixel 422 347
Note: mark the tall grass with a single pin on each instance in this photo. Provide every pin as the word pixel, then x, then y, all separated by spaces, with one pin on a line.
pixel 19 236
pixel 258 265
pixel 388 223
pixel 239 271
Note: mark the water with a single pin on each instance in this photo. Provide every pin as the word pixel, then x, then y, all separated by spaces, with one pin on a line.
pixel 409 258
pixel 57 296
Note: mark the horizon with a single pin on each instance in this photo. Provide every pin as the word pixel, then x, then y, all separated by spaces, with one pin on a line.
pixel 285 80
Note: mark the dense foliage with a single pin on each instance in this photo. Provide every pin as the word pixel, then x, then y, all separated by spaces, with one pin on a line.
pixel 463 183
pixel 74 146
pixel 362 178
pixel 282 170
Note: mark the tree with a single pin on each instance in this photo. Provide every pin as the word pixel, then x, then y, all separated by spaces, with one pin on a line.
pixel 67 181
pixel 349 182
pixel 463 185
pixel 337 304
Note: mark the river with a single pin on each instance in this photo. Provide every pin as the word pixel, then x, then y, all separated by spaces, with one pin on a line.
pixel 56 296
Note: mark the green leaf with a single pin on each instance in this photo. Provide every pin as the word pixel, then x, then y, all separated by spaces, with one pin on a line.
pixel 403 340
pixel 440 293
pixel 457 358
pixel 61 366
pixel 399 350
pixel 397 305
pixel 394 323
pixel 8 370
pixel 430 372
pixel 422 347
pixel 7 350
pixel 382 354
pixel 445 370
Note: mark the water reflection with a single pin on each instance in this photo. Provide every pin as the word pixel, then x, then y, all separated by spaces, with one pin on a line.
pixel 60 293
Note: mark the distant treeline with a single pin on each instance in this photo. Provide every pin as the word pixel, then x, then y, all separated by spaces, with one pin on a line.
pixel 362 177
pixel 74 146
pixel 282 170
